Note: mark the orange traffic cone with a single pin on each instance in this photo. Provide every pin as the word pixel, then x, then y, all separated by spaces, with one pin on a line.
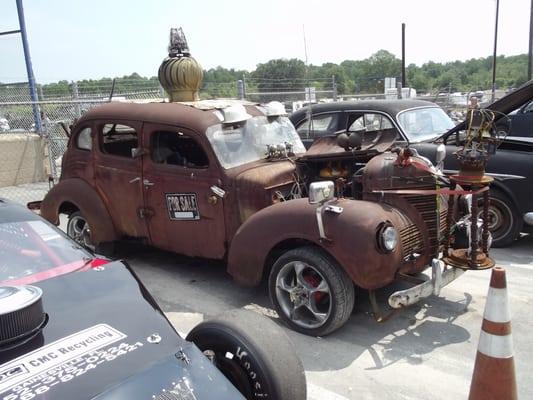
pixel 494 373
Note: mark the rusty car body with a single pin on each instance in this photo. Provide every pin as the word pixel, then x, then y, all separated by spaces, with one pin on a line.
pixel 180 177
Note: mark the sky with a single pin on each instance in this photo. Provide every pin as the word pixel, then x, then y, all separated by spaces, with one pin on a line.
pixel 91 39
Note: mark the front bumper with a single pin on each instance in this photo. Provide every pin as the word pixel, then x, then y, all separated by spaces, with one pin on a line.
pixel 441 275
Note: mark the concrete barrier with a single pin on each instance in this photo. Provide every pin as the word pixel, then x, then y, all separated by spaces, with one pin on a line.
pixel 22 159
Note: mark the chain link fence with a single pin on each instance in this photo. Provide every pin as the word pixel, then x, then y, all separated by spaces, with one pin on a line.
pixel 30 160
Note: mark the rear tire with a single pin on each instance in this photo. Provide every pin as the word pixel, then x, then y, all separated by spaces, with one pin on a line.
pixel 310 291
pixel 254 354
pixel 505 223
pixel 79 230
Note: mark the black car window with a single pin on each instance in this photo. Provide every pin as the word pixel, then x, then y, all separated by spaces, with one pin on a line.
pixel 177 148
pixel 118 140
pixel 84 140
pixel 320 125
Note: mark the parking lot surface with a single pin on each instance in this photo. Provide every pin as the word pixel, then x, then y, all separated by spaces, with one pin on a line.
pixel 424 352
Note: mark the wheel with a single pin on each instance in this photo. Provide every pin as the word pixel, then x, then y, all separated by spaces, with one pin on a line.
pixel 504 220
pixel 254 354
pixel 310 291
pixel 78 229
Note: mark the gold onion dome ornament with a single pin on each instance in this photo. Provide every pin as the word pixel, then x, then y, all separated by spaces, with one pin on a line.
pixel 180 74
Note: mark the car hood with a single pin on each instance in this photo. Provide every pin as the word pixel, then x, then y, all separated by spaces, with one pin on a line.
pixel 505 105
pixel 106 338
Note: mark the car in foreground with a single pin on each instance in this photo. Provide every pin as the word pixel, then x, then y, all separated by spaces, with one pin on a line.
pixel 77 326
pixel 423 126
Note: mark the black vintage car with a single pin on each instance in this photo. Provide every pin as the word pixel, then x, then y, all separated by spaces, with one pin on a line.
pixel 76 326
pixel 424 125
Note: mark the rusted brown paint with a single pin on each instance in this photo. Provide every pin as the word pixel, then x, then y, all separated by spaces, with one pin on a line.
pixel 352 242
pixel 493 379
pixel 84 197
pixel 246 225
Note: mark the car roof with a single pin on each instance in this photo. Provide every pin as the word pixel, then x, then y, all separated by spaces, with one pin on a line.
pixel 194 115
pixel 391 107
pixel 14 212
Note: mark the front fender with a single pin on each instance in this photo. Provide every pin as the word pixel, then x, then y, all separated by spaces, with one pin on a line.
pixel 80 194
pixel 351 239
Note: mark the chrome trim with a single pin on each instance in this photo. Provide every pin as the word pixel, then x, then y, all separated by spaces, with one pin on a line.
pixel 441 275
pixel 528 218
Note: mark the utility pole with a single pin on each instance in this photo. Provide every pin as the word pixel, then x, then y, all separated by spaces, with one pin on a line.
pixel 494 54
pixel 403 55
pixel 29 69
pixel 530 41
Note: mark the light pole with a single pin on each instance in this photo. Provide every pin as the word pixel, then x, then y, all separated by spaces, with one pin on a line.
pixel 494 54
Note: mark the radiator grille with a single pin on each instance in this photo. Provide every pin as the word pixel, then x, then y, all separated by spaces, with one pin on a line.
pixel 427 206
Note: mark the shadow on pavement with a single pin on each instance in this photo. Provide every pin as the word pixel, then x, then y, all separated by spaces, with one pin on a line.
pixel 182 284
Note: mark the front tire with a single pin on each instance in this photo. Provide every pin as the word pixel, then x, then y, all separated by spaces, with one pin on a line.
pixel 254 354
pixel 310 291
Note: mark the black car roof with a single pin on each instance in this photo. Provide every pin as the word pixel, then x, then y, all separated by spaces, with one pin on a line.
pixel 14 212
pixel 391 107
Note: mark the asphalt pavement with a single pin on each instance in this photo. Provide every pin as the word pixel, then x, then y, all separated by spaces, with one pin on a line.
pixel 426 351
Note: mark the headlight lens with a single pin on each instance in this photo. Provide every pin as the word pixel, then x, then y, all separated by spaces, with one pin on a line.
pixel 389 238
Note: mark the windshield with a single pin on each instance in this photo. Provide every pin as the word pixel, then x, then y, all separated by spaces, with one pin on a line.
pixel 32 251
pixel 240 144
pixel 423 124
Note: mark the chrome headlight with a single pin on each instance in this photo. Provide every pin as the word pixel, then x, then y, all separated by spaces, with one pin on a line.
pixel 388 238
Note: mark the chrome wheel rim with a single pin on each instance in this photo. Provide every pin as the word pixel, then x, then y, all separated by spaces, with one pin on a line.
pixel 303 295
pixel 78 229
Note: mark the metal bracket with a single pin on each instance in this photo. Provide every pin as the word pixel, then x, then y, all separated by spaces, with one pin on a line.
pixel 376 310
pixel 319 210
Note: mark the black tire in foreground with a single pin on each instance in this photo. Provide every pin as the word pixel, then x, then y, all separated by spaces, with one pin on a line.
pixel 254 354
pixel 310 291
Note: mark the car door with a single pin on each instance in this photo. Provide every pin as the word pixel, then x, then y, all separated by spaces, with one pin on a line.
pixel 118 175
pixel 185 215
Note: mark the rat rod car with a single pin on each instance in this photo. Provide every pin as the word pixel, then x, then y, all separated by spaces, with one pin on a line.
pixel 221 180
pixel 76 326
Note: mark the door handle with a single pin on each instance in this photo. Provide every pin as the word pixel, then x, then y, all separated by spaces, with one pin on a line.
pixel 146 182
pixel 135 180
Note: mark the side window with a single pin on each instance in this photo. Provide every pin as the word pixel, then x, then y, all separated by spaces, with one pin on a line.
pixel 321 125
pixel 118 140
pixel 84 140
pixel 369 123
pixel 176 148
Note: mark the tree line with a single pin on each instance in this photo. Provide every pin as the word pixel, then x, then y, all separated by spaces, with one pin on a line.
pixel 350 77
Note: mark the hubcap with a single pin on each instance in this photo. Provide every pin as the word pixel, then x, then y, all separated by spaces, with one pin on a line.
pixel 303 294
pixel 79 230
